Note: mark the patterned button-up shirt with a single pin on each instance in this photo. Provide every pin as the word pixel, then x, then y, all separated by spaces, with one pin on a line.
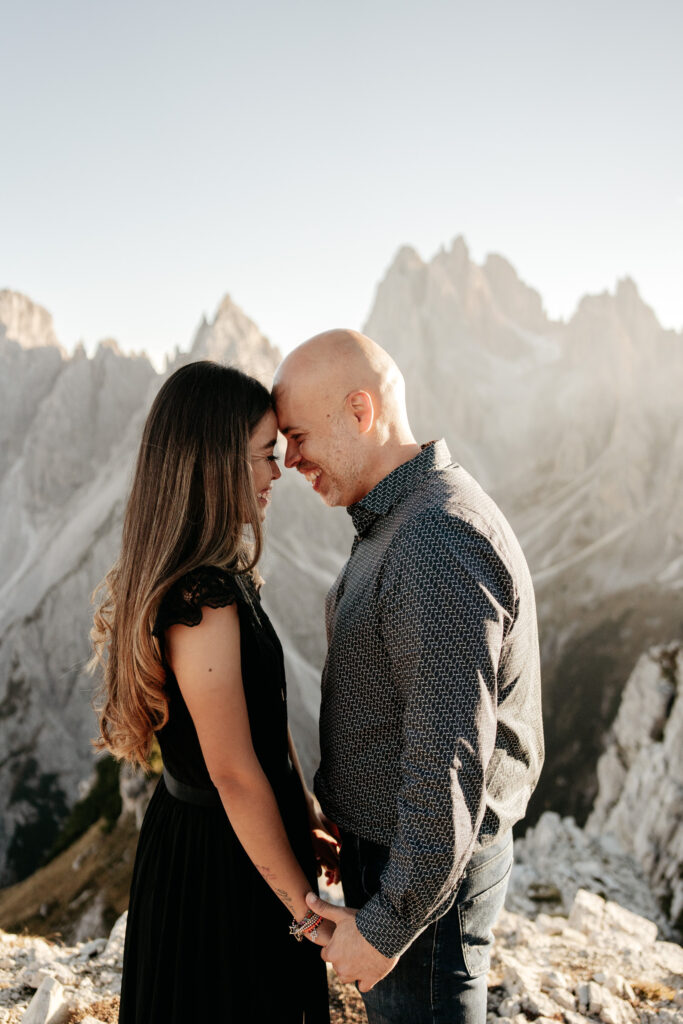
pixel 430 727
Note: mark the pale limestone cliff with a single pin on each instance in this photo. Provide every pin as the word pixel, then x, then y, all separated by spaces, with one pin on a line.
pixel 73 426
pixel 640 775
pixel 25 322
pixel 576 428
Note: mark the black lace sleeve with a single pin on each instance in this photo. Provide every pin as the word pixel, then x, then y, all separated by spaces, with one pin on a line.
pixel 184 601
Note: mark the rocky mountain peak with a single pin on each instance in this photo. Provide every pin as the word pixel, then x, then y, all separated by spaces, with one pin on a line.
pixel 634 311
pixel 233 338
pixel 623 311
pixel 25 322
pixel 406 259
pixel 108 345
pixel 515 299
pixel 227 309
pixel 455 264
pixel 459 248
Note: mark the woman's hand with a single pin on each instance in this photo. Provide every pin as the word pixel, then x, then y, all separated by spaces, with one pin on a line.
pixel 325 837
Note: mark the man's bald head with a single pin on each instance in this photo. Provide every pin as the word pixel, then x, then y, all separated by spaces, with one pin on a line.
pixel 339 342
pixel 336 363
pixel 340 400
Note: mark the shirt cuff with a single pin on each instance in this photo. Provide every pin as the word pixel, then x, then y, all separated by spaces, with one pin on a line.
pixel 380 925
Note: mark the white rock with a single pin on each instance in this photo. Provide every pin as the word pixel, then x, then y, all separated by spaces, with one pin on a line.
pixel 537 1004
pixel 591 997
pixel 518 979
pixel 509 1007
pixel 550 924
pixel 92 948
pixel 553 979
pixel 113 951
pixel 48 1005
pixel 670 956
pixel 616 984
pixel 616 1011
pixel 563 997
pixel 34 978
pixel 574 1018
pixel 587 912
pixel 617 917
pixel 39 950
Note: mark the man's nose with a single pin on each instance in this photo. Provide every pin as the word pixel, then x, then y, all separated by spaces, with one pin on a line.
pixel 292 455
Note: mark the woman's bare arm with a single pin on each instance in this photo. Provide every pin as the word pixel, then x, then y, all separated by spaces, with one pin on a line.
pixel 206 662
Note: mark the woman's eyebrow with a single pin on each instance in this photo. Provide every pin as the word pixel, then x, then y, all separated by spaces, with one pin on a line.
pixel 269 444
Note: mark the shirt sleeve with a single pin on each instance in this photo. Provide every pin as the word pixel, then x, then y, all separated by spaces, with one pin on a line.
pixel 445 604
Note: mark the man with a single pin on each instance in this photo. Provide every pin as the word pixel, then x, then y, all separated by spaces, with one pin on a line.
pixel 430 729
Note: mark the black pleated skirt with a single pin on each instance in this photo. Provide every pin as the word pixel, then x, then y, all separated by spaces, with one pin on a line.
pixel 206 938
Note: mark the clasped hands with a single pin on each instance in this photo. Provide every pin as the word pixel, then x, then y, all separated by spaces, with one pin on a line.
pixel 351 955
pixel 342 945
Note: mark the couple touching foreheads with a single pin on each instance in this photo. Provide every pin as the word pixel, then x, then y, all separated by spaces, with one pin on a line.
pixel 430 727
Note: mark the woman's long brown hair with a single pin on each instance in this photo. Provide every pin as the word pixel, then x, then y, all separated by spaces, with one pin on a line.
pixel 192 503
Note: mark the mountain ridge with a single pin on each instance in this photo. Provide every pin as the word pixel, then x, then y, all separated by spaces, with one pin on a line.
pixel 577 432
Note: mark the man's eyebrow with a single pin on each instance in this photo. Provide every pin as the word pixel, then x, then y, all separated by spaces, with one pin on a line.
pixel 286 430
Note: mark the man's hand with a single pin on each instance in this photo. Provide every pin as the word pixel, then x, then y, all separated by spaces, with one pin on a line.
pixel 325 837
pixel 352 956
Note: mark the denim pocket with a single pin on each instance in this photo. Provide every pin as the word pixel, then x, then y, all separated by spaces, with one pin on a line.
pixel 373 860
pixel 478 913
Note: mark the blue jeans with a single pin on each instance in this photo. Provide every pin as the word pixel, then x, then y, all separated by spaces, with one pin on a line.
pixel 441 977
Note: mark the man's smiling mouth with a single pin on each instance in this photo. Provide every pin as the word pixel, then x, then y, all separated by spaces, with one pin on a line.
pixel 312 475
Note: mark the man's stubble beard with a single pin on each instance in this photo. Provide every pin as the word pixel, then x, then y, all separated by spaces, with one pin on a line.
pixel 341 490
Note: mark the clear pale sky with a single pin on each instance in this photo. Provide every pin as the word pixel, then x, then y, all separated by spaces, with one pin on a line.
pixel 154 156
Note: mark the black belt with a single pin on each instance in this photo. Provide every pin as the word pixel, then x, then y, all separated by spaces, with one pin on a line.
pixel 191 794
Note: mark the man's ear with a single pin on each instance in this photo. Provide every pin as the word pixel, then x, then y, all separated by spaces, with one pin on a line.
pixel 362 408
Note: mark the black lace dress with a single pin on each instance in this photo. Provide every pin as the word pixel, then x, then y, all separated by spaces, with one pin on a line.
pixel 207 940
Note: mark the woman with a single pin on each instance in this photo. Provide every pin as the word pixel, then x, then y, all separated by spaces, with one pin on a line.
pixel 224 858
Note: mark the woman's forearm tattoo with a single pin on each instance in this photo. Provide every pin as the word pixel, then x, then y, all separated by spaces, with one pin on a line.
pixel 269 876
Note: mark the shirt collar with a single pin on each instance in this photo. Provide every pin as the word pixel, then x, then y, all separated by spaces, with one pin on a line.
pixel 397 484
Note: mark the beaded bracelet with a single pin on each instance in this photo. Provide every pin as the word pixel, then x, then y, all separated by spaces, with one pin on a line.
pixel 308 925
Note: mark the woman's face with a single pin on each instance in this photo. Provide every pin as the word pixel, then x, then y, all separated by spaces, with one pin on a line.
pixel 264 465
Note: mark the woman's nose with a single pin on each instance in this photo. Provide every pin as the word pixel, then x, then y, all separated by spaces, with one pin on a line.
pixel 275 471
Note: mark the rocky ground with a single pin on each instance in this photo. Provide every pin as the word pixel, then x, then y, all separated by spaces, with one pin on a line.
pixel 590 931
pixel 602 963
pixel 582 939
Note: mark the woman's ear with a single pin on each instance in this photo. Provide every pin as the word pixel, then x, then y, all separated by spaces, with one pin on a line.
pixel 362 408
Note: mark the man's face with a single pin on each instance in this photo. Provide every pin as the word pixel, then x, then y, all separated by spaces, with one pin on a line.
pixel 321 445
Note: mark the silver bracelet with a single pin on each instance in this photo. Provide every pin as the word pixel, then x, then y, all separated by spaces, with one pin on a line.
pixel 308 926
